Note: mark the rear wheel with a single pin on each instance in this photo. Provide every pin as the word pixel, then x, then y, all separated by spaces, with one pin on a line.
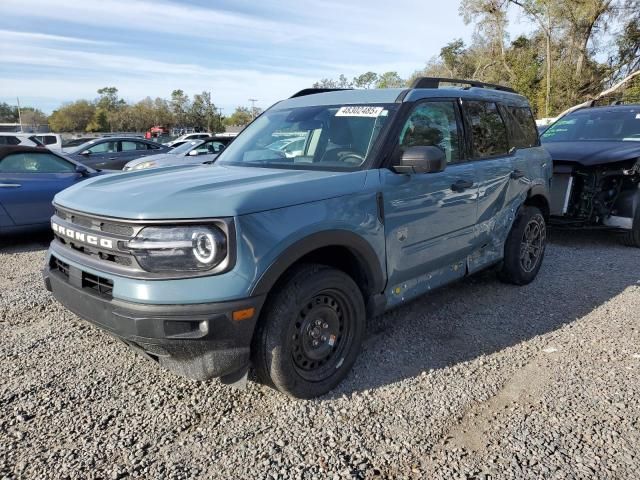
pixel 310 333
pixel 524 249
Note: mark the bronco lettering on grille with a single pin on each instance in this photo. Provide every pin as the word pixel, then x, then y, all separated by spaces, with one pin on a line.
pixel 82 237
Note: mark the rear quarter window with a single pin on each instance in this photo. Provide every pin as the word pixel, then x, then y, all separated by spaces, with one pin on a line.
pixel 521 125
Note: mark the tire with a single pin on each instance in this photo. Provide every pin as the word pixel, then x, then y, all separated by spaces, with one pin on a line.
pixel 524 248
pixel 310 332
pixel 632 237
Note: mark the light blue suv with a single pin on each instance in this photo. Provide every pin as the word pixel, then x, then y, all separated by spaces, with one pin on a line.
pixel 276 260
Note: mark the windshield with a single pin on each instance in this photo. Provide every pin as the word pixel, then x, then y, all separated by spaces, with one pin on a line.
pixel 619 125
pixel 185 147
pixel 318 138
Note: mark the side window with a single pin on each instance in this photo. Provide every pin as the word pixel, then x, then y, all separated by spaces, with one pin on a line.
pixel 9 140
pixel 47 139
pixel 522 127
pixel 129 146
pixel 489 134
pixel 104 147
pixel 433 124
pixel 35 162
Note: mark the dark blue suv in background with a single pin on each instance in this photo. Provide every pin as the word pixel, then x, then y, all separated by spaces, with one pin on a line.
pixel 276 259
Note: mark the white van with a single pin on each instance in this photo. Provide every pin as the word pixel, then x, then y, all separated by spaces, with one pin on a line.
pixel 50 140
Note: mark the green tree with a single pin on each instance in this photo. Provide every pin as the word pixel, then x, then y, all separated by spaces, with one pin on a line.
pixel 240 117
pixel 8 113
pixel 180 106
pixel 390 80
pixel 72 117
pixel 366 80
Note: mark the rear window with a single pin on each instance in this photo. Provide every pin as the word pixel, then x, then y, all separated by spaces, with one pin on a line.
pixel 488 131
pixel 523 132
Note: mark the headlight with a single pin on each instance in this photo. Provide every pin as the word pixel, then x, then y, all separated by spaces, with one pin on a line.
pixel 179 249
pixel 147 164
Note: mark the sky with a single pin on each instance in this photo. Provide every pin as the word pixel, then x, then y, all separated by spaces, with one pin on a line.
pixel 55 51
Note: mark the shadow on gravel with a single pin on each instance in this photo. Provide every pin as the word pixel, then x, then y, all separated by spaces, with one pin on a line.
pixel 479 315
pixel 25 242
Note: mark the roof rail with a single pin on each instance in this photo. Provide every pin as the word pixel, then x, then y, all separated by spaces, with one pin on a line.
pixel 313 91
pixel 434 82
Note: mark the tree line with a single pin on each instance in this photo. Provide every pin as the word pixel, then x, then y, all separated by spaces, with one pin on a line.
pixel 577 49
pixel 110 113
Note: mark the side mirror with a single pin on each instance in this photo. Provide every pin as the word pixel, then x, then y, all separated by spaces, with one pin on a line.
pixel 82 170
pixel 85 152
pixel 193 153
pixel 422 160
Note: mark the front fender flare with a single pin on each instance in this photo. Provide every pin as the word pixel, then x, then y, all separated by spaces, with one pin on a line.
pixel 358 246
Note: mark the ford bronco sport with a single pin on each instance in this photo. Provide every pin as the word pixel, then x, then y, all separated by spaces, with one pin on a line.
pixel 277 260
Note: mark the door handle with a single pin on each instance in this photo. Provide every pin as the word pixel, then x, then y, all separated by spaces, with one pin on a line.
pixel 461 185
pixel 516 174
pixel 112 158
pixel 10 185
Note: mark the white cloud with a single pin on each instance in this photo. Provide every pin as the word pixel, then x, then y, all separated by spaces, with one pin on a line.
pixel 235 48
pixel 10 36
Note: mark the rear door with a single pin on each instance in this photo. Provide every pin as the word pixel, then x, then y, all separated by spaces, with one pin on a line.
pixel 429 218
pixel 28 183
pixel 498 179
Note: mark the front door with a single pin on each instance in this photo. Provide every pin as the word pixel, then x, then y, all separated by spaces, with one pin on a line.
pixel 28 183
pixel 429 218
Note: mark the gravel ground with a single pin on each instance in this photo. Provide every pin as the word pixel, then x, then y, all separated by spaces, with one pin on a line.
pixel 478 380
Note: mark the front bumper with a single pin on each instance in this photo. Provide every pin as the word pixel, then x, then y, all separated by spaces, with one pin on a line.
pixel 199 341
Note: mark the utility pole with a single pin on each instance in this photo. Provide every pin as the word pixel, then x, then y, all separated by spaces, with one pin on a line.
pixel 19 114
pixel 219 110
pixel 253 107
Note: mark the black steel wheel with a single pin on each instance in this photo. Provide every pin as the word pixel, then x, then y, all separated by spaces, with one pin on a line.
pixel 524 248
pixel 310 332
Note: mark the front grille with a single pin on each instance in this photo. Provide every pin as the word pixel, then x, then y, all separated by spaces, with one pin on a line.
pixel 103 286
pixel 99 225
pixel 117 232
pixel 59 265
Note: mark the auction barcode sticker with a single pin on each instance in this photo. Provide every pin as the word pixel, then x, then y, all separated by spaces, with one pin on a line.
pixel 359 111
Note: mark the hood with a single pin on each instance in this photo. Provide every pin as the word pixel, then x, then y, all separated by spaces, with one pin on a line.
pixel 155 158
pixel 590 154
pixel 204 191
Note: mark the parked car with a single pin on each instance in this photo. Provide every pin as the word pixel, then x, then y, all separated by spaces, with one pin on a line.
pixel 114 152
pixel 29 178
pixel 14 138
pixel 278 261
pixel 291 147
pixel 52 141
pixel 186 137
pixel 192 152
pixel 596 179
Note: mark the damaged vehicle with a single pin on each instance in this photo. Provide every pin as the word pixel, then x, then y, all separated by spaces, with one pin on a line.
pixel 596 170
pixel 275 259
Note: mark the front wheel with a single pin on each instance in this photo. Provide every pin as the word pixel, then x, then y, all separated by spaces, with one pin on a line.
pixel 310 332
pixel 632 237
pixel 524 248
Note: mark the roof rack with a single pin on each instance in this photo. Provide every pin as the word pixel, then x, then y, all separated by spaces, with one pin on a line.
pixel 313 91
pixel 434 82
